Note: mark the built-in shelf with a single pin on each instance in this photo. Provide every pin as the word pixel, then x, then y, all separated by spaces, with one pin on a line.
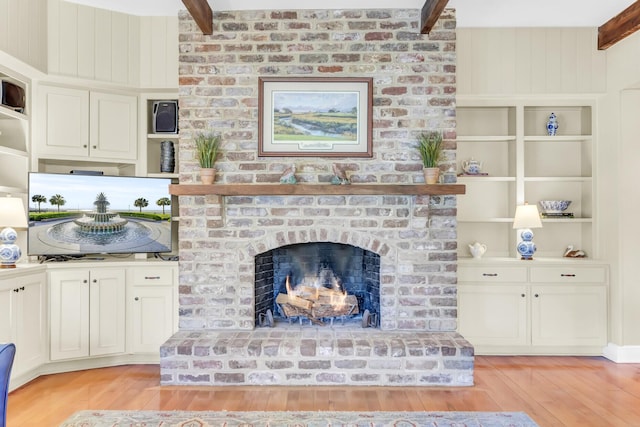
pixel 525 164
pixel 11 113
pixel 315 189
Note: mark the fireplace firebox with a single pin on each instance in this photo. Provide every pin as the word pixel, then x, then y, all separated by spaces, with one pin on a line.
pixel 316 283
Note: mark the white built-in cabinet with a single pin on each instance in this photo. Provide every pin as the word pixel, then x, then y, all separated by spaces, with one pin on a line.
pixel 79 124
pixel 533 307
pixel 88 112
pixel 99 310
pixel 524 164
pixel 87 312
pixel 23 316
pixel 553 304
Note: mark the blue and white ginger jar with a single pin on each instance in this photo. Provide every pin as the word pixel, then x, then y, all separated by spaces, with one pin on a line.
pixel 552 125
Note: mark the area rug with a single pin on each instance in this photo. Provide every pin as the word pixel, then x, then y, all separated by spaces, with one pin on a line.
pixel 296 419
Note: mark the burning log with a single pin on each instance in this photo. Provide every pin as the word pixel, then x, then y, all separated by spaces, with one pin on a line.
pixel 294 301
pixel 317 303
pixel 348 306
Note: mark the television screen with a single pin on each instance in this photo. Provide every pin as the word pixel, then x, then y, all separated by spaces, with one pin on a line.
pixel 78 214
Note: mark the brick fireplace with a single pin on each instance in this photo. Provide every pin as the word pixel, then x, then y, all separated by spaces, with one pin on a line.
pixel 221 343
pixel 224 239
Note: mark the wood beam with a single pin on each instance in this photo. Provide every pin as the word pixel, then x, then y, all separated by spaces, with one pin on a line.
pixel 431 11
pixel 202 14
pixel 620 26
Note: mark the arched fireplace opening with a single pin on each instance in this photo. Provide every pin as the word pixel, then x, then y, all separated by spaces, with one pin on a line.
pixel 317 283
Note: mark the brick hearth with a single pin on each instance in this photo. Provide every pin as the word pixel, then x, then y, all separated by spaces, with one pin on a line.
pixel 317 356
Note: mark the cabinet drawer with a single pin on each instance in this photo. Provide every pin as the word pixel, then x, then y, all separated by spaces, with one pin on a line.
pixel 492 274
pixel 569 275
pixel 153 276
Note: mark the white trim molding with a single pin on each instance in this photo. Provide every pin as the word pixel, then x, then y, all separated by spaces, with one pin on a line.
pixel 622 354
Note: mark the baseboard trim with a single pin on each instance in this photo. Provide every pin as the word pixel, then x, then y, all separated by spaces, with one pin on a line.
pixel 622 354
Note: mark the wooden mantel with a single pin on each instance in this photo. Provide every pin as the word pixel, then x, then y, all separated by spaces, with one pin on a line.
pixel 315 189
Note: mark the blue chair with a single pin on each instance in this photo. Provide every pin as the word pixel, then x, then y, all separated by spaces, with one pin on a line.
pixel 7 354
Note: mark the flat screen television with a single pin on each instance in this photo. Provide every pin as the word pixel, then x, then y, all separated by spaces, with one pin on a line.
pixel 86 214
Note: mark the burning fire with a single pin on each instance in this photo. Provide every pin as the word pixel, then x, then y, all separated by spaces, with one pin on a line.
pixel 288 285
pixel 316 301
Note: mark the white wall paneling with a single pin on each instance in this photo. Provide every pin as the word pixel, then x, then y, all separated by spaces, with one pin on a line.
pixel 23 26
pixel 501 61
pixel 159 52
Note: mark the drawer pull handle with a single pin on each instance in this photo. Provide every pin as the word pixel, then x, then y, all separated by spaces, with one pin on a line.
pixel 490 274
pixel 536 295
pixel 567 275
pixel 151 277
pixel 522 295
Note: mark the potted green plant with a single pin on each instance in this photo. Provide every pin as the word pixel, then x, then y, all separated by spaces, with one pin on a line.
pixel 430 148
pixel 207 149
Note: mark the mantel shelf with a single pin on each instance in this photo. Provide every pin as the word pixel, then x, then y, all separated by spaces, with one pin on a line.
pixel 315 189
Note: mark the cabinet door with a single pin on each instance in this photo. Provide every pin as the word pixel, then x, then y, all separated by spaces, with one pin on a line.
pixel 69 313
pixel 493 314
pixel 6 313
pixel 30 316
pixel 114 126
pixel 569 315
pixel 152 317
pixel 65 128
pixel 107 311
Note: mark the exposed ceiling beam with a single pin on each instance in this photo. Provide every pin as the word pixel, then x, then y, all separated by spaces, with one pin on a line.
pixel 431 11
pixel 620 26
pixel 202 14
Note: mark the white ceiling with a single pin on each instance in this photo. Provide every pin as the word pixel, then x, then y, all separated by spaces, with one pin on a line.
pixel 470 13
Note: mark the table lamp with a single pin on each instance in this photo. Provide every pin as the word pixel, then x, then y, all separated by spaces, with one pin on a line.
pixel 11 215
pixel 526 218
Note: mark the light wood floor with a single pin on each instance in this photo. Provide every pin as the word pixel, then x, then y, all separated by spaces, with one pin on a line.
pixel 554 391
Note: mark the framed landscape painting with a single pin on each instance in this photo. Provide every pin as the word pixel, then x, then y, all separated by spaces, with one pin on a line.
pixel 315 116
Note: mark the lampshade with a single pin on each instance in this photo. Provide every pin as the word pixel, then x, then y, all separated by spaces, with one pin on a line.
pixel 527 216
pixel 12 212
